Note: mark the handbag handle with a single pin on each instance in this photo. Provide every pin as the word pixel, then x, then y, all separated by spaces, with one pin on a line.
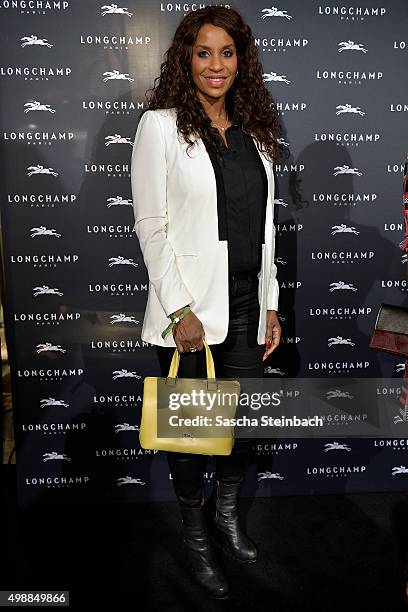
pixel 175 362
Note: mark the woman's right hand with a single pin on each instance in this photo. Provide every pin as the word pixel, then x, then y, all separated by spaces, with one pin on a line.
pixel 189 332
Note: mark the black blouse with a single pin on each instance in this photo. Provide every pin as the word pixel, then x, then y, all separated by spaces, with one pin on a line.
pixel 242 191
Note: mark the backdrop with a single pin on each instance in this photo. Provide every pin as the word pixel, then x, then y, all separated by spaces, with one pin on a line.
pixel 73 78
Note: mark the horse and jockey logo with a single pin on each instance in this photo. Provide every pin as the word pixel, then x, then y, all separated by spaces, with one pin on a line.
pixel 347 108
pixel 340 285
pixel 350 45
pixel 34 40
pixel 118 201
pixel 273 76
pixel 343 229
pixel 274 12
pixel 339 340
pixel 335 446
pixel 111 75
pixel 129 480
pixel 37 106
pixel 269 475
pixel 54 456
pixel 111 9
pixel 43 231
pixel 45 289
pixel 39 169
pixel 117 139
pixel 346 170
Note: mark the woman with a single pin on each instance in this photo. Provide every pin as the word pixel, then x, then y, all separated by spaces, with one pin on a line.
pixel 203 192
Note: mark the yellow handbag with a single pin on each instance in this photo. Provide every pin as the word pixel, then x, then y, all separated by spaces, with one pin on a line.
pixel 155 409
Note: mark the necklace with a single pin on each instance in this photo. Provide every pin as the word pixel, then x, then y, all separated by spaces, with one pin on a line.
pixel 218 126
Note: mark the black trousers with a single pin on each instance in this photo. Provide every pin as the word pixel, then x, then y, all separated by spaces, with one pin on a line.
pixel 239 356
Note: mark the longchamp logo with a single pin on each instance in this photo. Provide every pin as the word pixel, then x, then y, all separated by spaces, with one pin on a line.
pixel 273 76
pixel 349 77
pixel 124 454
pixel 343 229
pixel 35 7
pixel 117 139
pixel 338 394
pixel 185 7
pixel 124 373
pixel 114 42
pixel 395 444
pixel 337 340
pixel 274 448
pixel 398 108
pixel 342 109
pixel 46 402
pixel 118 346
pixel 123 318
pixel 282 228
pixel 340 313
pixel 44 231
pixel 395 168
pixel 35 105
pixel 113 107
pixel 282 169
pixel 393 227
pixel 343 420
pixel 117 289
pixel 34 40
pixel 46 290
pixel 118 400
pixel 353 139
pixel 49 319
pixel 352 13
pixel 338 367
pixel 275 12
pixel 335 471
pixel 400 45
pixel 35 73
pixel 285 107
pixel 44 260
pixel 57 482
pixel 49 347
pixel 276 371
pixel 50 374
pixel 115 75
pixel 334 446
pixel 114 9
pixel 269 476
pixel 39 169
pixel 341 286
pixel 124 480
pixel 350 45
pixel 41 200
pixel 119 260
pixel 283 142
pixel 111 231
pixel 401 284
pixel 280 45
pixel 344 199
pixel 53 429
pixel 401 469
pixel 126 427
pixel 55 456
pixel 337 170
pixel 110 170
pixel 35 138
pixel 118 201
pixel 341 257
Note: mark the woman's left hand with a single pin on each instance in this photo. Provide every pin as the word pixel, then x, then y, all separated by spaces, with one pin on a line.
pixel 273 333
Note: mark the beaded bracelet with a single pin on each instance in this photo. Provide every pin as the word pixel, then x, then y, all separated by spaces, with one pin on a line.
pixel 175 319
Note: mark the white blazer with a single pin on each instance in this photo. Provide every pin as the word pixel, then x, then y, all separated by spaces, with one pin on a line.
pixel 176 222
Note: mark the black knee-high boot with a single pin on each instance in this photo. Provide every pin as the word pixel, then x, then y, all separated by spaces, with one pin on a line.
pixel 187 473
pixel 222 507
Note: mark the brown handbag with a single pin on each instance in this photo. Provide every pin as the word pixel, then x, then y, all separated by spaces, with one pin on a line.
pixel 391 330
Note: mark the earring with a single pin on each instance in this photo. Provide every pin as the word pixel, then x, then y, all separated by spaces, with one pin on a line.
pixel 236 73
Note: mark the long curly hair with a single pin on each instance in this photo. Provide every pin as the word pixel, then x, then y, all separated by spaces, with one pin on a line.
pixel 248 100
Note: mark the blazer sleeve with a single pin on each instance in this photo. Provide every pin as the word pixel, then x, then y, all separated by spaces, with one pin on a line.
pixel 273 289
pixel 148 179
pixel 272 299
